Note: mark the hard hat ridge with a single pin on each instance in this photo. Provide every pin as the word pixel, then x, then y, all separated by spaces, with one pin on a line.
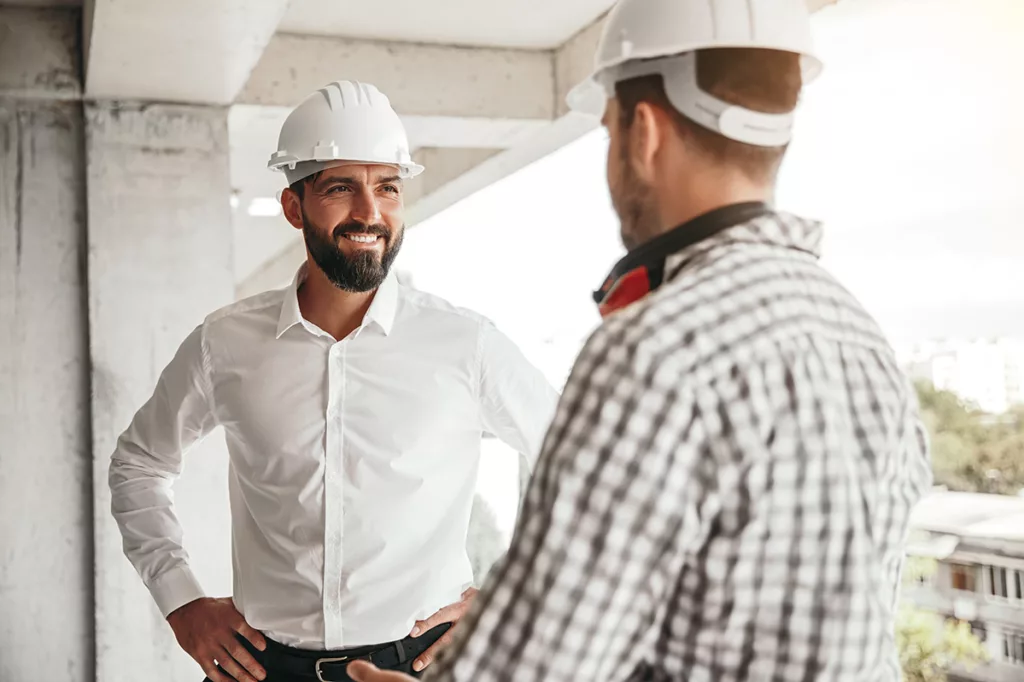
pixel 344 121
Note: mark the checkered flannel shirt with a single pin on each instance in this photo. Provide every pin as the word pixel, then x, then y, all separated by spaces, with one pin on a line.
pixel 724 493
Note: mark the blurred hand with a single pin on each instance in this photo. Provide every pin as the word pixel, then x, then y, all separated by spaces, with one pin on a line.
pixel 449 614
pixel 206 629
pixel 363 671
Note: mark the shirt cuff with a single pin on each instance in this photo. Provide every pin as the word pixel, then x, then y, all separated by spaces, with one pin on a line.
pixel 174 589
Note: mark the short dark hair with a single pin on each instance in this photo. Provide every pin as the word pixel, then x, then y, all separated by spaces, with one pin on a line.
pixel 758 79
pixel 299 186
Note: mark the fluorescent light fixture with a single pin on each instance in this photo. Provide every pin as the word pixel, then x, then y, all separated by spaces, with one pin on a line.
pixel 264 207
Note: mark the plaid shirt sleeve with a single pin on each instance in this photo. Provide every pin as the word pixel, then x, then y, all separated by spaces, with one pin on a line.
pixel 596 551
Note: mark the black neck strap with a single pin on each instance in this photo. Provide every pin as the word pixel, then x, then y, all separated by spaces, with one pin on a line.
pixel 652 254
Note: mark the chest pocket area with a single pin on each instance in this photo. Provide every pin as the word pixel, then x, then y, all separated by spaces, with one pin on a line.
pixel 409 415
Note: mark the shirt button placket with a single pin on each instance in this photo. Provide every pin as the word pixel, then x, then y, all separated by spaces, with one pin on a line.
pixel 334 496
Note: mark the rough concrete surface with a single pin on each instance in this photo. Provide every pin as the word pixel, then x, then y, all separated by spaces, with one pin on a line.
pixel 45 469
pixel 422 80
pixel 159 261
pixel 39 53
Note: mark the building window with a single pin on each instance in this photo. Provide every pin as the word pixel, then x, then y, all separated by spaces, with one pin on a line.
pixel 1020 584
pixel 997 582
pixel 963 577
pixel 979 631
pixel 1013 648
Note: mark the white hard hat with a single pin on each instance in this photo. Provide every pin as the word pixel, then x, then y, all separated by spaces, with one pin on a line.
pixel 647 37
pixel 345 121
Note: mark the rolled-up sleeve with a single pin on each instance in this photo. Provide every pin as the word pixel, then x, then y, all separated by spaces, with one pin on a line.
pixel 147 460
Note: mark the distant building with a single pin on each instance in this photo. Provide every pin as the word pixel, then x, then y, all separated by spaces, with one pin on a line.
pixel 986 372
pixel 978 543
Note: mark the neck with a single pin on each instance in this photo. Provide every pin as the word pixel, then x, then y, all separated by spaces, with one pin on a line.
pixel 682 202
pixel 333 310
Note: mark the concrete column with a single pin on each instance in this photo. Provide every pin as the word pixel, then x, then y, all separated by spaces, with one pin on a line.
pixel 160 260
pixel 46 617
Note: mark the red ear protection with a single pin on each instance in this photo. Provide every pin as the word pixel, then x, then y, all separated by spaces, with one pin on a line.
pixel 642 270
pixel 617 294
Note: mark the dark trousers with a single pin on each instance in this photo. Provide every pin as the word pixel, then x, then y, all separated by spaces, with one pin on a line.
pixel 287 664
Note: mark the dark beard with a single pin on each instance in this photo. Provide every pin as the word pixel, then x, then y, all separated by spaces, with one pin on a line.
pixel 360 273
pixel 634 204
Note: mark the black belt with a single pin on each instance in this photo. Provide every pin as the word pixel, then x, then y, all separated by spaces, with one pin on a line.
pixel 329 666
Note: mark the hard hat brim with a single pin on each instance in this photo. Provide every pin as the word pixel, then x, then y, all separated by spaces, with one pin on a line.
pixel 304 169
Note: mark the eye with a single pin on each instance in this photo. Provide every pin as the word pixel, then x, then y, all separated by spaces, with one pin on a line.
pixel 337 188
pixel 391 188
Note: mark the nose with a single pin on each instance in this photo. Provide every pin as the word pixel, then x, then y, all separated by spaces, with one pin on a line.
pixel 364 208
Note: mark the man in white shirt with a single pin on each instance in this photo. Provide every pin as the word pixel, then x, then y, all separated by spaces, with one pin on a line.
pixel 353 409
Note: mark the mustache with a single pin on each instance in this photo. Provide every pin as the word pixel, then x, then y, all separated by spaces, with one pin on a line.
pixel 359 228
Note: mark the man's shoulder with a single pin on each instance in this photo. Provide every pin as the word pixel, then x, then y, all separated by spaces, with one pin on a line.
pixel 637 342
pixel 260 307
pixel 739 305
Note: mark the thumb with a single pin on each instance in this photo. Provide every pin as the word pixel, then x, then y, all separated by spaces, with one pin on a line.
pixel 361 671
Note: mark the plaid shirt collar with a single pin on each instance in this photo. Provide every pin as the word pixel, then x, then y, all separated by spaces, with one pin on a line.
pixel 771 228
pixel 650 265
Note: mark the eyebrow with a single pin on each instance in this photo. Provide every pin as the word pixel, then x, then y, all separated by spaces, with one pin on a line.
pixel 390 179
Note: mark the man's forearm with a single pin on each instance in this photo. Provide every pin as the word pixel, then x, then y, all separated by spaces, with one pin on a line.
pixel 142 506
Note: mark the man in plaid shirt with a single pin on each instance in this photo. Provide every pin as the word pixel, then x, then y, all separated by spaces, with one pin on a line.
pixel 724 493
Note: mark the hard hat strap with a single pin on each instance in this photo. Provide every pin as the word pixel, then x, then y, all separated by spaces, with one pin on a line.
pixel 729 120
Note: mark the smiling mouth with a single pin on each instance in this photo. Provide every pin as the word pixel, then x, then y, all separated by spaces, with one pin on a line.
pixel 361 238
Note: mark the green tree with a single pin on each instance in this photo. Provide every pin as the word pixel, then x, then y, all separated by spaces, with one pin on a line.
pixel 929 647
pixel 973 451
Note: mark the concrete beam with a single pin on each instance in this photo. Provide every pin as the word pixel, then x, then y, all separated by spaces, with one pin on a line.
pixel 190 51
pixel 421 80
pixel 446 165
pixel 39 53
pixel 574 61
pixel 553 137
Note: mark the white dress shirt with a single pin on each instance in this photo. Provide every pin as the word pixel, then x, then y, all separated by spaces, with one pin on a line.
pixel 353 463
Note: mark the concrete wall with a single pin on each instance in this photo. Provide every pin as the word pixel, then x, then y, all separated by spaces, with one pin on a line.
pixel 46 604
pixel 160 260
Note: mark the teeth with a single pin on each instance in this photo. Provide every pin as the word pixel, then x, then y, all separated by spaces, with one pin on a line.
pixel 362 238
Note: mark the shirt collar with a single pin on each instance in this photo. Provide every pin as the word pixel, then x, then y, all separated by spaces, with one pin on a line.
pixel 385 304
pixel 290 313
pixel 774 228
pixel 382 310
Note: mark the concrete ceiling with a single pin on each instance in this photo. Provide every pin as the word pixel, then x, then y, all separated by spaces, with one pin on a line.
pixel 190 51
pixel 531 24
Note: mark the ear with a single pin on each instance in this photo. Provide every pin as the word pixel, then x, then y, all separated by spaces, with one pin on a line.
pixel 292 207
pixel 647 136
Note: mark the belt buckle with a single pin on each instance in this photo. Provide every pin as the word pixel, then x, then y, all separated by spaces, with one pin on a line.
pixel 320 661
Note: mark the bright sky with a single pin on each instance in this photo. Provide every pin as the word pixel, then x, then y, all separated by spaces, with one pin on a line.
pixel 910 147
